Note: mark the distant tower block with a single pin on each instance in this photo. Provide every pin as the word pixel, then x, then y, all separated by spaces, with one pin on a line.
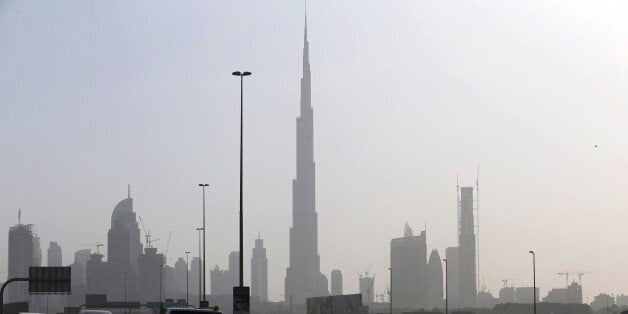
pixel 336 282
pixel 54 255
pixel 467 248
pixel 21 255
pixel 434 281
pixel 408 260
pixel 367 289
pixel 259 272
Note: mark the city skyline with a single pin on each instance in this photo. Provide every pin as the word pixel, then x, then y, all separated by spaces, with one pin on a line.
pixel 370 160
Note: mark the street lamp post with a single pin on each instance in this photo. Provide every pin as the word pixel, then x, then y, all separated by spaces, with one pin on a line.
pixel 187 278
pixel 446 292
pixel 125 274
pixel 390 291
pixel 161 275
pixel 204 185
pixel 534 278
pixel 241 75
pixel 200 271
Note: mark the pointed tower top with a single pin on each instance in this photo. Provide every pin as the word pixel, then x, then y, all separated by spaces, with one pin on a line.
pixel 407 231
pixel 19 216
pixel 305 14
pixel 128 191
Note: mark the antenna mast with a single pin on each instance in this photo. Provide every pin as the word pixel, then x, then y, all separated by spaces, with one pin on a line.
pixel 19 216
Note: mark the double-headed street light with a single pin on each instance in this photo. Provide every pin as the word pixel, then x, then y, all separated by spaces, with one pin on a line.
pixel 204 185
pixel 534 278
pixel 241 75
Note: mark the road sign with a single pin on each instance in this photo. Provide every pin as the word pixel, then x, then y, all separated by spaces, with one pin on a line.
pixel 48 280
pixel 241 300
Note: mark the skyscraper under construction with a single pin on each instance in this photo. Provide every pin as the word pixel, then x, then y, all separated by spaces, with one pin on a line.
pixel 466 249
pixel 22 255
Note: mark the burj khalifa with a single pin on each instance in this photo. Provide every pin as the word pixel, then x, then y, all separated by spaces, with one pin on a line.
pixel 303 277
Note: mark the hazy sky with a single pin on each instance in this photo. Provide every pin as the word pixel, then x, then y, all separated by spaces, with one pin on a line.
pixel 96 95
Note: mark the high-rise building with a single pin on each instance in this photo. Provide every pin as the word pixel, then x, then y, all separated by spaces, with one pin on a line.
pixel 180 275
pixel 21 257
pixel 568 295
pixel 80 264
pixel 602 301
pixel 234 265
pixel 434 281
pixel 367 288
pixel 195 281
pixel 97 273
pixel 526 295
pixel 507 295
pixel 303 277
pixel 485 300
pixel 123 213
pixel 336 282
pixel 622 300
pixel 82 256
pixel 223 281
pixel 467 249
pixel 79 282
pixel 408 260
pixel 259 272
pixel 119 263
pixel 54 255
pixel 150 264
pixel 168 283
pixel 36 250
pixel 453 276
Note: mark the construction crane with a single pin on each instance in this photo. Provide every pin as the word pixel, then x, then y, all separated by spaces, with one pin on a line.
pixel 580 274
pixel 167 246
pixel 149 242
pixel 365 273
pixel 505 281
pixel 577 273
pixel 97 245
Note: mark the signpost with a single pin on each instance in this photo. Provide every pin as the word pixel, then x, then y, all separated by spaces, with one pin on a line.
pixel 43 280
pixel 49 280
pixel 241 300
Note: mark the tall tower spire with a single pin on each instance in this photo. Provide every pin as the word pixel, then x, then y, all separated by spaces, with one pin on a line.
pixel 303 276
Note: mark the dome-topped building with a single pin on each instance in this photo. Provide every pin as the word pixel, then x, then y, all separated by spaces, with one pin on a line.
pixel 123 214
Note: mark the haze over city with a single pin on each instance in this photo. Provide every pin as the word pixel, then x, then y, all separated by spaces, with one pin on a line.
pixel 408 97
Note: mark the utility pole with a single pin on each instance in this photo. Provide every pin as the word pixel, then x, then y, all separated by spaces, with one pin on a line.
pixel 390 291
pixel 187 278
pixel 534 277
pixel 200 263
pixel 241 75
pixel 161 275
pixel 446 291
pixel 125 274
pixel 204 303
